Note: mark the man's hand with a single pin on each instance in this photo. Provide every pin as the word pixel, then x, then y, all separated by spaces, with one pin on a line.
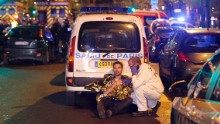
pixel 127 80
pixel 134 70
pixel 114 85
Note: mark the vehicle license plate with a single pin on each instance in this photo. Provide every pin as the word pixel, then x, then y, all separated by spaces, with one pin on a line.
pixel 21 43
pixel 104 64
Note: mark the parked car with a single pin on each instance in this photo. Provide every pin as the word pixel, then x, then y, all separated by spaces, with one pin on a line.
pixel 187 51
pixel 98 40
pixel 199 101
pixel 168 23
pixel 27 43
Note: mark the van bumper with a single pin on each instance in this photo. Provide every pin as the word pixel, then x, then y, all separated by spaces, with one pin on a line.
pixel 77 89
pixel 77 84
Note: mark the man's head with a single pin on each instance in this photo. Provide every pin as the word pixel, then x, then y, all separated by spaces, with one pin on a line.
pixel 117 68
pixel 134 61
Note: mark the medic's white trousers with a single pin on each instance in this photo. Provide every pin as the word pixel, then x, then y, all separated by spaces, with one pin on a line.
pixel 145 97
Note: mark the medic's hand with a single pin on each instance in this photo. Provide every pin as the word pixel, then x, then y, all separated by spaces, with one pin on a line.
pixel 127 80
pixel 134 70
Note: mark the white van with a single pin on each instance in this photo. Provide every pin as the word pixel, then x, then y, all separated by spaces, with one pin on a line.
pixel 97 41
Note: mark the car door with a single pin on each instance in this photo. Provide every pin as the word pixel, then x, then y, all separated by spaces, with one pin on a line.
pixel 167 53
pixel 163 54
pixel 197 106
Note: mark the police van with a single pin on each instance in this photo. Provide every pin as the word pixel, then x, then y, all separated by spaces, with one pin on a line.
pixel 97 41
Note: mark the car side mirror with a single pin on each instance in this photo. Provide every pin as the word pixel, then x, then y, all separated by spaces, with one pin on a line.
pixel 179 89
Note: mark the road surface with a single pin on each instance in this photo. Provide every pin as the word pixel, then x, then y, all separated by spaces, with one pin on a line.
pixel 35 94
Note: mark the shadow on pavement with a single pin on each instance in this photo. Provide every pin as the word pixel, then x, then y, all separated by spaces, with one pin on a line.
pixel 34 65
pixel 19 63
pixel 59 80
pixel 166 84
pixel 52 110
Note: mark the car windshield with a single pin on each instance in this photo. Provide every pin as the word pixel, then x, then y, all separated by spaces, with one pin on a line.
pixel 204 42
pixel 179 25
pixel 24 32
pixel 109 36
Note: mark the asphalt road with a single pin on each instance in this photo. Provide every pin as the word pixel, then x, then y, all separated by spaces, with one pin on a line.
pixel 35 94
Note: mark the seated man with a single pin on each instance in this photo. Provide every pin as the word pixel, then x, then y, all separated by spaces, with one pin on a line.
pixel 147 86
pixel 116 90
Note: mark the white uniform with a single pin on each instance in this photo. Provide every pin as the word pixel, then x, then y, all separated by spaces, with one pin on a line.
pixel 147 86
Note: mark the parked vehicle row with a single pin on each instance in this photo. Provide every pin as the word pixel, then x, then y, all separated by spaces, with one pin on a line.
pixel 186 51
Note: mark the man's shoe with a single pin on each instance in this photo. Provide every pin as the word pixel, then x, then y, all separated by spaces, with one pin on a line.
pixel 108 113
pixel 101 110
pixel 139 113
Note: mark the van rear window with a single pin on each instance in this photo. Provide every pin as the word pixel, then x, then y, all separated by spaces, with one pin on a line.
pixel 109 37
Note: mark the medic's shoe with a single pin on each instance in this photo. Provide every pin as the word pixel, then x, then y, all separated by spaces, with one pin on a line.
pixel 139 113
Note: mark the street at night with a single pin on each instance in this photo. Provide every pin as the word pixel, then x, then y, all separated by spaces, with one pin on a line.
pixel 35 94
pixel 109 62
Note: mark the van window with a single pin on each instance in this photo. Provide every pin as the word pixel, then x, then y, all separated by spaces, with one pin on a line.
pixel 109 36
pixel 2 11
pixel 62 12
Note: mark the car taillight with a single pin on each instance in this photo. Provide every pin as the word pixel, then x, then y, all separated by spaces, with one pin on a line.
pixel 41 33
pixel 38 54
pixel 5 54
pixel 145 51
pixel 182 56
pixel 70 61
pixel 69 80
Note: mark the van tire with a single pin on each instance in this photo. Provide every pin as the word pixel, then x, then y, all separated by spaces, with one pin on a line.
pixel 70 98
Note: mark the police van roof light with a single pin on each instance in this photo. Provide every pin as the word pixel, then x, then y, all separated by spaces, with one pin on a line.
pixel 105 9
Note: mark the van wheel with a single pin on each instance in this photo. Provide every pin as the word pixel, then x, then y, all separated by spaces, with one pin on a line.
pixel 46 58
pixel 70 98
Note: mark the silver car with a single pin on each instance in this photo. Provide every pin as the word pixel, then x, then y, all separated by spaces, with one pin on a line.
pixel 199 101
pixel 186 52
